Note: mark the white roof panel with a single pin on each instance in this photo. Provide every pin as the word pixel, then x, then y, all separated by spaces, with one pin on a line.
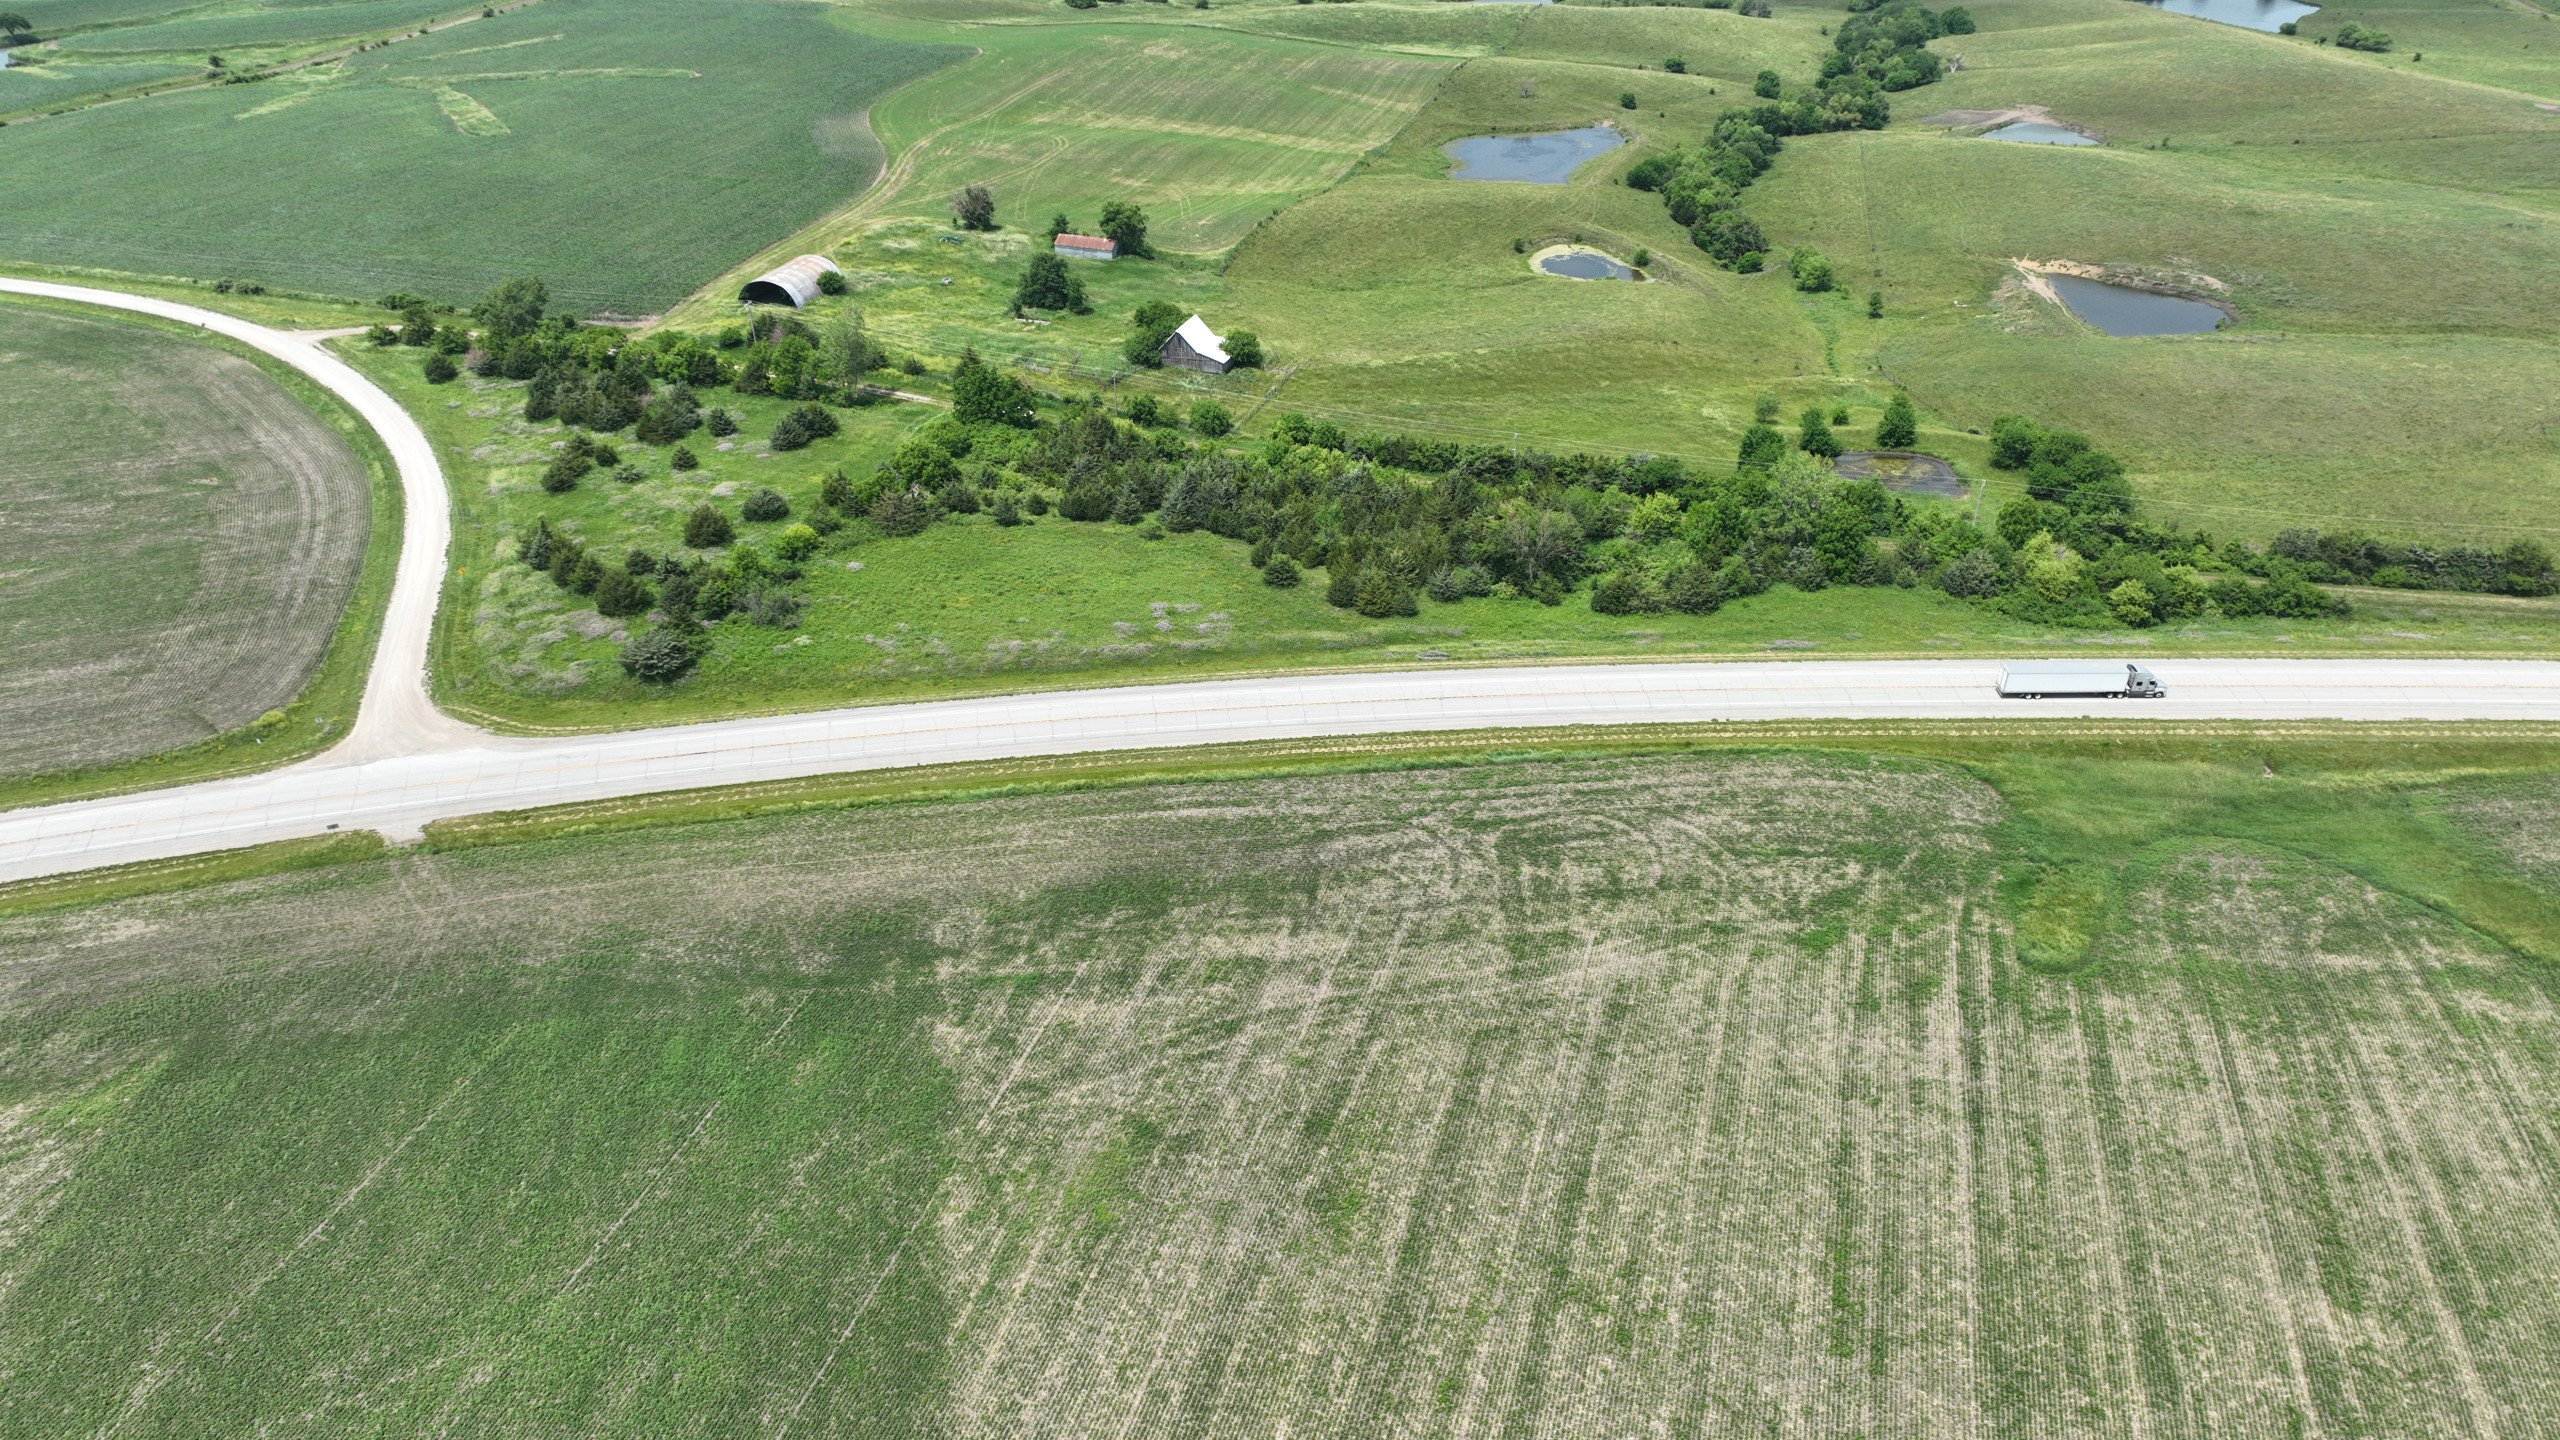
pixel 1195 333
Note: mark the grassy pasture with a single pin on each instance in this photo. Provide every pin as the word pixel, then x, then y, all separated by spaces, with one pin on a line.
pixel 1708 1094
pixel 2372 364
pixel 2512 45
pixel 1211 131
pixel 968 607
pixel 184 537
pixel 627 150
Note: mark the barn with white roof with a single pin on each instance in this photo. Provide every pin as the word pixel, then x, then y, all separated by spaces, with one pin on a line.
pixel 1193 346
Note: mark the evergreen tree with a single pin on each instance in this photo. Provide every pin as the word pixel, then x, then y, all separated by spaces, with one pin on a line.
pixel 1900 428
pixel 707 529
pixel 1814 435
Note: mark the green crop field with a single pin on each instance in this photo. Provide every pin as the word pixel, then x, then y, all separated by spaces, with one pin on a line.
pixel 623 150
pixel 1736 1092
pixel 184 538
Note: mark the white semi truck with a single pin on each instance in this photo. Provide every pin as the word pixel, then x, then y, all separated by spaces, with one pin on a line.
pixel 2078 679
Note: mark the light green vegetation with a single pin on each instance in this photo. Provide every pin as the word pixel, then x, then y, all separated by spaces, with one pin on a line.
pixel 1209 130
pixel 623 150
pixel 198 33
pixel 2385 372
pixel 1704 1093
pixel 189 568
pixel 971 607
pixel 2514 44
pixel 99 52
pixel 35 79
pixel 2382 229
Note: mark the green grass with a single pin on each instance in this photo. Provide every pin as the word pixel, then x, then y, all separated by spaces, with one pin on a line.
pixel 1518 1096
pixel 2342 291
pixel 1209 130
pixel 35 80
pixel 2515 46
pixel 971 608
pixel 636 148
pixel 282 25
pixel 200 587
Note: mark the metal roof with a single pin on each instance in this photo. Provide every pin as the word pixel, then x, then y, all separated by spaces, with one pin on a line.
pixel 793 282
pixel 1087 242
pixel 1204 343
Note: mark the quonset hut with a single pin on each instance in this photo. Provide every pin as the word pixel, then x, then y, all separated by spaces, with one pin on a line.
pixel 793 282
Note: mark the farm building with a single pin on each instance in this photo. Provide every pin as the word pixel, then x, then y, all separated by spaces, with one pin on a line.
pixel 793 283
pixel 1193 347
pixel 1085 247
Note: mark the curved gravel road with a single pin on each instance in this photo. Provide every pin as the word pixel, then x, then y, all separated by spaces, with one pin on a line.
pixel 405 763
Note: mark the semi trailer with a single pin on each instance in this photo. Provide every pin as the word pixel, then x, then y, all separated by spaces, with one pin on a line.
pixel 2078 679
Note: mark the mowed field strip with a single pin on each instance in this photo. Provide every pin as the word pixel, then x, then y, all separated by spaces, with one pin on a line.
pixel 1703 1095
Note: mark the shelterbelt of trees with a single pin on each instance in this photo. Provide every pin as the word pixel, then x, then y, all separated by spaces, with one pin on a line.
pixel 1879 48
pixel 1387 518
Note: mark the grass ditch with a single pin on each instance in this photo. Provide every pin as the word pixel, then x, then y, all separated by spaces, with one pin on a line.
pixel 2089 806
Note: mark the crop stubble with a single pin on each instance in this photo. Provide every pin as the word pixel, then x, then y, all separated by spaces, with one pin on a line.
pixel 1595 1098
pixel 183 537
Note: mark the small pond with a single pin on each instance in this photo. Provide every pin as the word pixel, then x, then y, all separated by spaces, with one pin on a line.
pixel 2029 132
pixel 2122 310
pixel 1585 265
pixel 1548 159
pixel 2264 15
pixel 1907 471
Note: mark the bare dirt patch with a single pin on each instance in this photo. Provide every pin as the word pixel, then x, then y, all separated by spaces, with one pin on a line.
pixel 1978 121
pixel 185 536
pixel 1907 471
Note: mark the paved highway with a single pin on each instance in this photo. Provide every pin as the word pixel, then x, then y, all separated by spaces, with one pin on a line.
pixel 404 763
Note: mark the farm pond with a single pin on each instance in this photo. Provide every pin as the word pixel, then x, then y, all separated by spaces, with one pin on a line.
pixel 2030 132
pixel 1575 263
pixel 2267 15
pixel 1542 159
pixel 2122 310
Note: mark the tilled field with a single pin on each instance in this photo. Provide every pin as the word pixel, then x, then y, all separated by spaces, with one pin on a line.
pixel 1667 1097
pixel 178 539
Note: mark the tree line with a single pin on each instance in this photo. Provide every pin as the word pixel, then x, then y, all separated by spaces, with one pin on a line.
pixel 1880 48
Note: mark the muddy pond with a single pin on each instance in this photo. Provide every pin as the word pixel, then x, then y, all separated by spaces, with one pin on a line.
pixel 2267 15
pixel 1545 159
pixel 2030 132
pixel 1578 264
pixel 1907 471
pixel 2121 310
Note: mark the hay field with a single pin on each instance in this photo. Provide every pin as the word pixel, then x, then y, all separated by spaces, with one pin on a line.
pixel 1210 130
pixel 181 537
pixel 1689 1096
